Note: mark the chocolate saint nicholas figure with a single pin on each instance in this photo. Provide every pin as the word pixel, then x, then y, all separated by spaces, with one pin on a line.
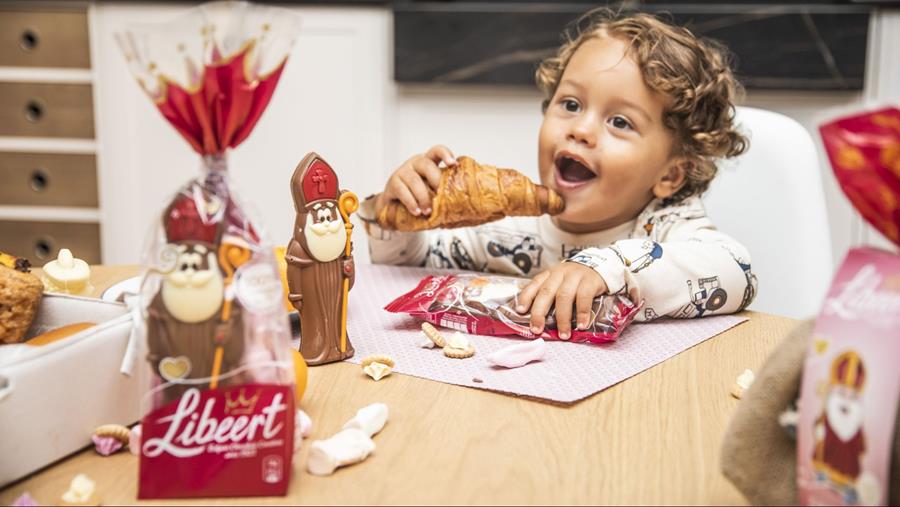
pixel 320 268
pixel 185 323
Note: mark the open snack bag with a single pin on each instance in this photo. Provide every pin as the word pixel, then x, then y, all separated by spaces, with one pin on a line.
pixel 485 305
pixel 218 420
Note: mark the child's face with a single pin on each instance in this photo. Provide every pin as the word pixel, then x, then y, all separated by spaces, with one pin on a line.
pixel 602 143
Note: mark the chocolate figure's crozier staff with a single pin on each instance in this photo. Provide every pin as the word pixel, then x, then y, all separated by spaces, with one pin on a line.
pixel 320 268
pixel 188 335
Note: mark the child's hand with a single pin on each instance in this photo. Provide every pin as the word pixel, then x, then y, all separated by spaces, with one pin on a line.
pixel 409 183
pixel 564 284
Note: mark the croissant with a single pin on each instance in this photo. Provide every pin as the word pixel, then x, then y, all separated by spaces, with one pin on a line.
pixel 469 194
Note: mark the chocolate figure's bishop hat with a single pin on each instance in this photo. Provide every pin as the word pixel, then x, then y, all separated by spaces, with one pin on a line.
pixel 184 222
pixel 317 181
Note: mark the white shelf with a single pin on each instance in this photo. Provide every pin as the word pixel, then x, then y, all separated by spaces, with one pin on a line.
pixel 50 214
pixel 46 75
pixel 48 145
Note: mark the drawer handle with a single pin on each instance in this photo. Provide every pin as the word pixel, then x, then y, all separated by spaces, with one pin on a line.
pixel 29 40
pixel 34 111
pixel 43 248
pixel 39 180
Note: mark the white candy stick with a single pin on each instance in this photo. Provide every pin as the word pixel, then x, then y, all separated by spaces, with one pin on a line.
pixel 346 448
pixel 304 423
pixel 370 420
pixel 519 354
pixel 302 428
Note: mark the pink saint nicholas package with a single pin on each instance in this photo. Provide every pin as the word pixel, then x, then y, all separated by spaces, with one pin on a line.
pixel 851 381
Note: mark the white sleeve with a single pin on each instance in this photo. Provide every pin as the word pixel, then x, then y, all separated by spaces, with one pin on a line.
pixel 462 248
pixel 392 247
pixel 692 271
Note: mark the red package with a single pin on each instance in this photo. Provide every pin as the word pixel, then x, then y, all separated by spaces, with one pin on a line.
pixel 864 150
pixel 485 305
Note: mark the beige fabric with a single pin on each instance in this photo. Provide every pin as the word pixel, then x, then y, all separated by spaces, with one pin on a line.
pixel 758 456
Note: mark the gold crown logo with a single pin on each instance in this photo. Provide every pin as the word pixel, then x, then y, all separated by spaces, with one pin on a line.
pixel 240 404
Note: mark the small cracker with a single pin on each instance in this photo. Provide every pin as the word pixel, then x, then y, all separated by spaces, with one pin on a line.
pixel 434 335
pixel 117 431
pixel 377 370
pixel 459 353
pixel 742 383
pixel 385 360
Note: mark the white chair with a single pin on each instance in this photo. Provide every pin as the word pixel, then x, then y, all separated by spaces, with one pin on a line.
pixel 771 200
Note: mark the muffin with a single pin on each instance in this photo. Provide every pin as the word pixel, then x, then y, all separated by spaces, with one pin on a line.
pixel 20 296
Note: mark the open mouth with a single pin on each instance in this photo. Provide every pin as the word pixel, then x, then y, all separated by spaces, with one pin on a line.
pixel 573 171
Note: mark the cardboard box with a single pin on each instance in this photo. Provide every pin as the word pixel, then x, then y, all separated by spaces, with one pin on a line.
pixel 52 397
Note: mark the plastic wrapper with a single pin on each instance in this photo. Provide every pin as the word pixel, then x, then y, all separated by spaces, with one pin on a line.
pixel 218 420
pixel 485 305
pixel 864 151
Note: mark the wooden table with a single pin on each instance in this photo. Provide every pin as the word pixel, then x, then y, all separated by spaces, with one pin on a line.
pixel 652 439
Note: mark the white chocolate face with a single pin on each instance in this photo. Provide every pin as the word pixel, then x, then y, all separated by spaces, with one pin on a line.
pixel 844 410
pixel 194 292
pixel 324 232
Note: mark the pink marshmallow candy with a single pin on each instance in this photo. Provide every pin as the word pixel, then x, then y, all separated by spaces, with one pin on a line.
pixel 25 501
pixel 106 445
pixel 519 354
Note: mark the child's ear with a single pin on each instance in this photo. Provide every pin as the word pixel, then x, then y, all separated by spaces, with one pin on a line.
pixel 673 177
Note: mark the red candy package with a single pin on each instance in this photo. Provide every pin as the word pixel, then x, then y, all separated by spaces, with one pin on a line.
pixel 485 305
pixel 864 150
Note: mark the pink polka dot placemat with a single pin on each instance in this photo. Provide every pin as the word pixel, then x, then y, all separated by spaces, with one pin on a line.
pixel 569 372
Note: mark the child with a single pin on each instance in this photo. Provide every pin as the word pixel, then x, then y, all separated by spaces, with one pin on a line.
pixel 636 113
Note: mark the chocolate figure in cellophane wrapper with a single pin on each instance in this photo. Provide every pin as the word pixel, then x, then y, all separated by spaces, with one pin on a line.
pixel 219 419
pixel 320 266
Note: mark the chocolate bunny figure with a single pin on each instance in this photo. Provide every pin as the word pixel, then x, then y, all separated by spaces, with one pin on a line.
pixel 320 268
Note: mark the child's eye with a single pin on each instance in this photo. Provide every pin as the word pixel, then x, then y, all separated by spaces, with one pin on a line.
pixel 571 105
pixel 620 123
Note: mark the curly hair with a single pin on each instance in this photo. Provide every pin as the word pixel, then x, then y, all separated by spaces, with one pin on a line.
pixel 694 73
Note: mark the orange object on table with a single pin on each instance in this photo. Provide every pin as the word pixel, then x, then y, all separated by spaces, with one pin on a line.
pixel 59 333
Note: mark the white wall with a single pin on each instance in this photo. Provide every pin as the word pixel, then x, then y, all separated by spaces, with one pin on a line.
pixel 497 125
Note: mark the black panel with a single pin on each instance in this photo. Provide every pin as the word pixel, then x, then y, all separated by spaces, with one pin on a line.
pixel 798 46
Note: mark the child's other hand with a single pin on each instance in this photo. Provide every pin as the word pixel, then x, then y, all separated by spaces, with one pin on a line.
pixel 564 284
pixel 409 183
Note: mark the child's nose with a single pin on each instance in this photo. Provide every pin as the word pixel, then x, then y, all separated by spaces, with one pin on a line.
pixel 582 131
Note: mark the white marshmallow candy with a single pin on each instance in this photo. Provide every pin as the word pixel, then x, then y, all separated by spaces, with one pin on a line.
pixel 370 420
pixel 346 448
pixel 351 445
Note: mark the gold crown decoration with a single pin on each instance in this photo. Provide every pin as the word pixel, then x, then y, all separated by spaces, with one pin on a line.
pixel 848 370
pixel 241 405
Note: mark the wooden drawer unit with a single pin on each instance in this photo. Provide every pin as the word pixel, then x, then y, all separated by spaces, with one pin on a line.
pixel 48 179
pixel 46 110
pixel 43 38
pixel 40 242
